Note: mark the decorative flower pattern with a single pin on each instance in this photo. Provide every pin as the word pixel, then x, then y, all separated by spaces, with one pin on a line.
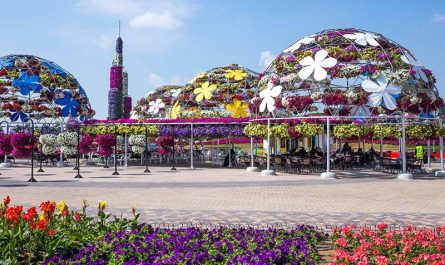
pixel 297 45
pixel 198 76
pixel 238 108
pixel 156 106
pixel 316 66
pixel 237 74
pixel 415 65
pixel 268 95
pixel 176 92
pixel 381 91
pixel 70 105
pixel 205 91
pixel 27 83
pixel 175 110
pixel 19 115
pixel 363 38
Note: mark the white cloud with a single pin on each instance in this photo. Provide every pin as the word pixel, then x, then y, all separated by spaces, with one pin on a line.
pixel 156 81
pixel 104 42
pixel 438 18
pixel 162 21
pixel 266 58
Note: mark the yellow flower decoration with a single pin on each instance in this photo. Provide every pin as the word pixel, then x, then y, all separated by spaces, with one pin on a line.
pixel 205 91
pixel 238 108
pixel 175 110
pixel 237 74
pixel 61 206
pixel 102 205
pixel 198 76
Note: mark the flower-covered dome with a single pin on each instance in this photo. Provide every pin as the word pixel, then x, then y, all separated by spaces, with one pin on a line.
pixel 32 87
pixel 220 92
pixel 346 72
pixel 155 103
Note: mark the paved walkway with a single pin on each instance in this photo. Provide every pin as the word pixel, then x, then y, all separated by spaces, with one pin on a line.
pixel 232 195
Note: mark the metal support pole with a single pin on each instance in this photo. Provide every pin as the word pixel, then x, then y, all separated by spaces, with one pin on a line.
pixel 147 151
pixel 403 145
pixel 230 153
pixel 381 147
pixel 40 162
pixel 173 156
pixel 442 168
pixel 32 179
pixel 268 144
pixel 78 176
pixel 328 145
pixel 191 146
pixel 115 173
pixel 251 153
pixel 126 150
pixel 429 153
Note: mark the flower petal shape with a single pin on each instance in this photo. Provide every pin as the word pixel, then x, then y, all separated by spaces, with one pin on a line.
pixel 389 101
pixel 320 73
pixel 297 45
pixel 328 62
pixel 306 71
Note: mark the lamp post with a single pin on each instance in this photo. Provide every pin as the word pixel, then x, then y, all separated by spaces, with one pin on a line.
pixel 191 146
pixel 252 167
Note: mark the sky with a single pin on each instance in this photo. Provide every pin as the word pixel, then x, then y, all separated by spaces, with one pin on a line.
pixel 170 41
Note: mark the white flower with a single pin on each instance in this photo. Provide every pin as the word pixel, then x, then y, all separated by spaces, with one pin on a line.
pixel 268 96
pixel 264 80
pixel 351 95
pixel 415 65
pixel 297 45
pixel 316 96
pixel 381 90
pixel 284 102
pixel 176 92
pixel 135 115
pixel 155 106
pixel 363 38
pixel 414 100
pixel 316 66
pixel 288 78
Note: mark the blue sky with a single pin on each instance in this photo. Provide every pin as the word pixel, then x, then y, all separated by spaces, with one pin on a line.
pixel 168 42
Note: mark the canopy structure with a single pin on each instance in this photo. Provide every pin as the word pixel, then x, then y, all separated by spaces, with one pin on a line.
pixel 32 87
pixel 346 72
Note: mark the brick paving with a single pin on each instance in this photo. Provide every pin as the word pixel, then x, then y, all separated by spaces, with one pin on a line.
pixel 232 195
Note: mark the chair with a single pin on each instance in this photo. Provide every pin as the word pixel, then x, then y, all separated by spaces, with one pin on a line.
pixel 306 163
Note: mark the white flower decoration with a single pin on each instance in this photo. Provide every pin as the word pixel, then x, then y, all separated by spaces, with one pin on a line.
pixel 155 106
pixel 176 92
pixel 415 65
pixel 381 90
pixel 297 45
pixel 316 66
pixel 363 38
pixel 268 96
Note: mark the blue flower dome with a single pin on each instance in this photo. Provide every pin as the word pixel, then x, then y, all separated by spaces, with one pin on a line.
pixel 32 87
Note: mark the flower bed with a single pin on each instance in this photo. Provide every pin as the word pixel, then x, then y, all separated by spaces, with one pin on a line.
pixel 147 245
pixel 361 245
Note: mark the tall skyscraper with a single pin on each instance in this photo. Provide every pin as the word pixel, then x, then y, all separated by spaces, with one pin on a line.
pixel 119 102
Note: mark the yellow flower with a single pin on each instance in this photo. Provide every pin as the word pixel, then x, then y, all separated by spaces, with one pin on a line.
pixel 42 216
pixel 174 112
pixel 61 206
pixel 198 76
pixel 238 108
pixel 237 74
pixel 205 91
pixel 102 205
pixel 133 209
